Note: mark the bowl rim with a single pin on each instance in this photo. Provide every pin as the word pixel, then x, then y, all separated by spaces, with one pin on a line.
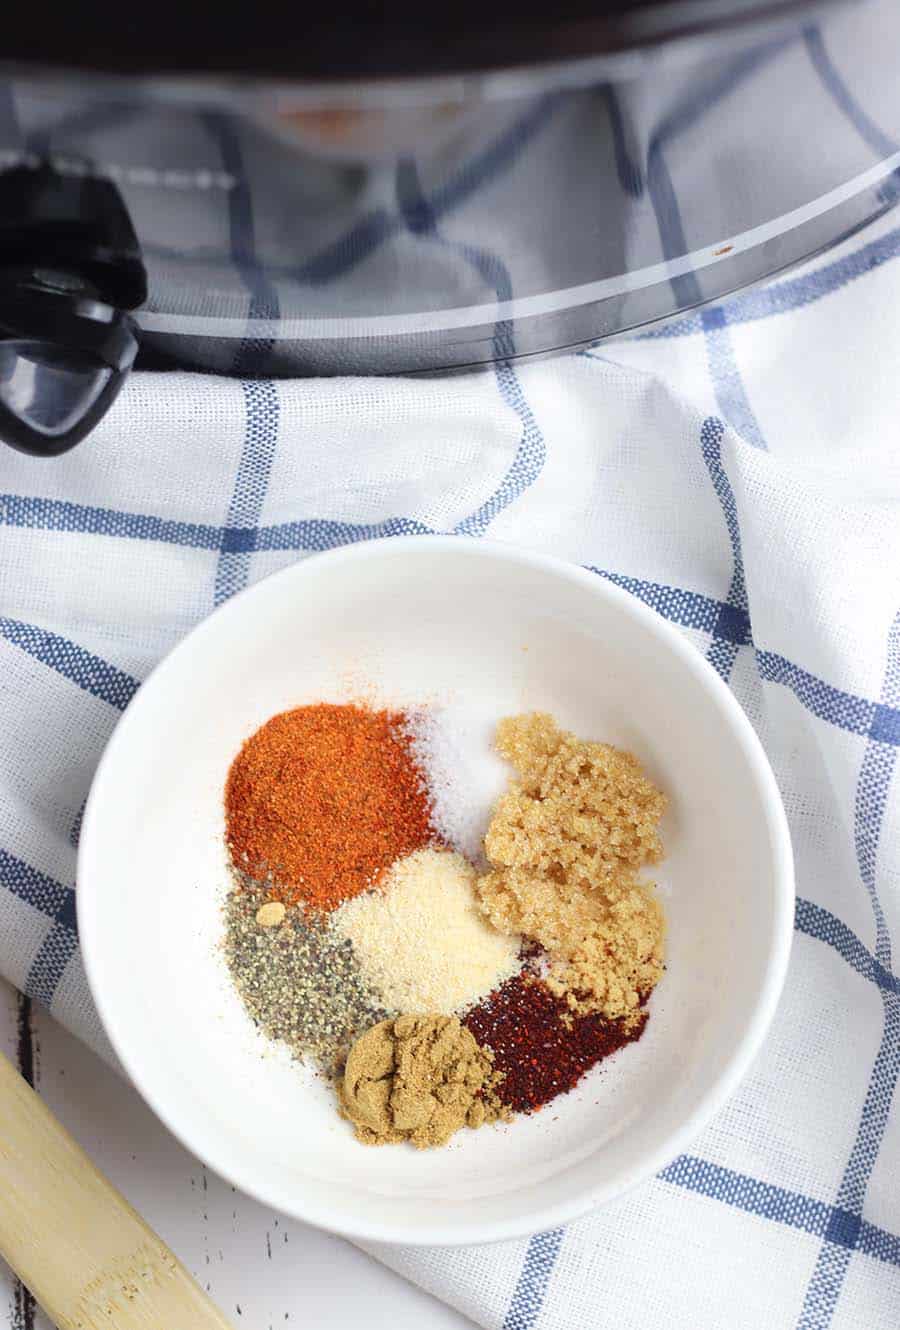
pixel 593 1196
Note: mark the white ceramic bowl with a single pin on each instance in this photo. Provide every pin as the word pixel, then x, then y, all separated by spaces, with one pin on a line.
pixel 430 619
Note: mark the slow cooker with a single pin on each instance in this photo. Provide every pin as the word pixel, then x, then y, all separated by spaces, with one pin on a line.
pixel 387 190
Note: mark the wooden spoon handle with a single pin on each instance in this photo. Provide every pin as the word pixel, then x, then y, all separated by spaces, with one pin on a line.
pixel 87 1256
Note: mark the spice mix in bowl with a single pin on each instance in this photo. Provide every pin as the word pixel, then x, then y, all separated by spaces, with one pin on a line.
pixel 436 995
pixel 499 870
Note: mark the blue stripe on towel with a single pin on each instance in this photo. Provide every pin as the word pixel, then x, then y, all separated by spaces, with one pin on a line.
pixel 844 1230
pixel 81 667
pixel 531 1286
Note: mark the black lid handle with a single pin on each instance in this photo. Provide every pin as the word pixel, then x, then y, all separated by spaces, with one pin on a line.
pixel 64 355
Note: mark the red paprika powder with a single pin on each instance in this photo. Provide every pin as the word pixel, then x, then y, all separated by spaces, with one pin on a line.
pixel 321 800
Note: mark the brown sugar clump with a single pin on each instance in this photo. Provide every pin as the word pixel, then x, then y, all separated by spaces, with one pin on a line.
pixel 565 844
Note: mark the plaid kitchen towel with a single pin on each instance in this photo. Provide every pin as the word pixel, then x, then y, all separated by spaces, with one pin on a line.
pixel 739 471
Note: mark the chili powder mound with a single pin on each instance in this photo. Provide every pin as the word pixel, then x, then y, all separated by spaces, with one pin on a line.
pixel 321 800
pixel 541 1048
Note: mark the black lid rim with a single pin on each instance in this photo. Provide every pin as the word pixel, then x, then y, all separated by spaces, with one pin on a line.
pixel 365 45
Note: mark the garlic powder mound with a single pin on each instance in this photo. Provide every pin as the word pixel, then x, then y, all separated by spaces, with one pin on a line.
pixel 420 940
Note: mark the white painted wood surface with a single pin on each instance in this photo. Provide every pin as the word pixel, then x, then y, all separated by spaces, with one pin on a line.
pixel 264 1271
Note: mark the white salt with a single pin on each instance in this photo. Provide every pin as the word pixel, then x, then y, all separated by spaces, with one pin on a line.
pixel 454 745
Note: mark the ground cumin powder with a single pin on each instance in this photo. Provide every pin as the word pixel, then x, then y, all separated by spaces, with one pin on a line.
pixel 418 1079
pixel 565 844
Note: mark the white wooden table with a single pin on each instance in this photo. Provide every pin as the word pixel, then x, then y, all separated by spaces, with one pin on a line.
pixel 264 1271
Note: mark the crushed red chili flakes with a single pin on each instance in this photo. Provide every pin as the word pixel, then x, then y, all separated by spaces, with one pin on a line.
pixel 539 1046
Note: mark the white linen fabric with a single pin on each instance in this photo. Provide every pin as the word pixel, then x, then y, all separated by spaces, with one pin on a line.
pixel 739 470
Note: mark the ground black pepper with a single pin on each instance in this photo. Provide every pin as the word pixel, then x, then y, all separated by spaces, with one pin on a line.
pixel 299 983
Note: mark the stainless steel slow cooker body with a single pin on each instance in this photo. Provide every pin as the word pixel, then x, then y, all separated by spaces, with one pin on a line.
pixel 275 226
